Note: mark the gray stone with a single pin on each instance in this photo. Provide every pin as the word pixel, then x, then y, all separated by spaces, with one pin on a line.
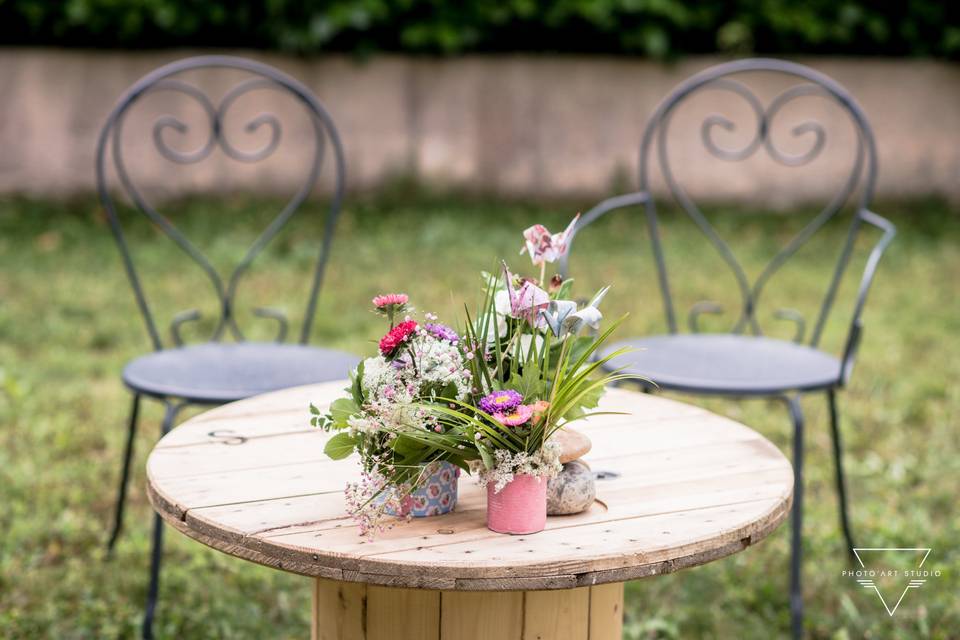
pixel 572 491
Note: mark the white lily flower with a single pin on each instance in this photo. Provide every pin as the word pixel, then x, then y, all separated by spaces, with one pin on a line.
pixel 526 339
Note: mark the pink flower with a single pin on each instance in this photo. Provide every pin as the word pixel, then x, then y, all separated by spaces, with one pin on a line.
pixel 527 301
pixel 388 299
pixel 539 410
pixel 544 246
pixel 390 304
pixel 396 337
pixel 520 415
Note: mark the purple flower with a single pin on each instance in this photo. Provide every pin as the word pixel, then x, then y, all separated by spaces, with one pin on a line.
pixel 441 332
pixel 500 401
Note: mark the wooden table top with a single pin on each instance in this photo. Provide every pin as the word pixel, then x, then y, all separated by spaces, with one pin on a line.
pixel 251 479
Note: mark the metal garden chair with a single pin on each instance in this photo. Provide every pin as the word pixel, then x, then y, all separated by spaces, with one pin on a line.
pixel 743 362
pixel 216 371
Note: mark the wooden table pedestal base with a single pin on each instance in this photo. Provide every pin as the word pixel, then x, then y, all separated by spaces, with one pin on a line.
pixel 357 611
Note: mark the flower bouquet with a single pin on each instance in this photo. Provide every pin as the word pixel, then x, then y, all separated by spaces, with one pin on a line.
pixel 488 399
pixel 533 373
pixel 411 461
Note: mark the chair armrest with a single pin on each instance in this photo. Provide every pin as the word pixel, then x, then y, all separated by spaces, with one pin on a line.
pixel 608 205
pixel 866 280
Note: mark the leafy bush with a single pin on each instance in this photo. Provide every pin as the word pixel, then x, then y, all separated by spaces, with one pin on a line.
pixel 657 28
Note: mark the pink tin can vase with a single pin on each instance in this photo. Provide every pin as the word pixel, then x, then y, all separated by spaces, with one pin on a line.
pixel 518 508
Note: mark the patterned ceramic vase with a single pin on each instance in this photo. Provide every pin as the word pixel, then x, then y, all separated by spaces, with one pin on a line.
pixel 436 496
pixel 518 508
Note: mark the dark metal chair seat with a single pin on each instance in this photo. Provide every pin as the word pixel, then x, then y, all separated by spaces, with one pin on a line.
pixel 218 372
pixel 728 364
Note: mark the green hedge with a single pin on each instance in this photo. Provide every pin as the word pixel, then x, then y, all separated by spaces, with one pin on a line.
pixel 657 28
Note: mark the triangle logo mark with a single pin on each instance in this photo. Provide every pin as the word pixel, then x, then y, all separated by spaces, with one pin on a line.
pixel 877 562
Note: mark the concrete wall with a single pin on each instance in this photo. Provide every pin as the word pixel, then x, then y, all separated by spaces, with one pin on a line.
pixel 549 126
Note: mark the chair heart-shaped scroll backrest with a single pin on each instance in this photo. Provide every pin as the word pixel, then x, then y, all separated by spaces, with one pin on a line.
pixel 761 138
pixel 214 138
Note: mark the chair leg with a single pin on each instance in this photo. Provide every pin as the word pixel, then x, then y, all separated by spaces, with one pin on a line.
pixel 796 540
pixel 838 465
pixel 124 474
pixel 156 550
pixel 156 556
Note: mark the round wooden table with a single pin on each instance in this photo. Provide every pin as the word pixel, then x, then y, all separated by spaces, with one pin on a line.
pixel 683 487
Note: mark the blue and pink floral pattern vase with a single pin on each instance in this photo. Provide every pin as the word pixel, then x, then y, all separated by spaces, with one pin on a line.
pixel 436 495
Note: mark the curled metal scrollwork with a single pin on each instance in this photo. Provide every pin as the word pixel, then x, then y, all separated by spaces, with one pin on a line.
pixel 763 129
pixel 190 315
pixel 717 120
pixel 795 317
pixel 172 122
pixel 216 117
pixel 704 306
pixel 276 315
pixel 809 126
pixel 263 119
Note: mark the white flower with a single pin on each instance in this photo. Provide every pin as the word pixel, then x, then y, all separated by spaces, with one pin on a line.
pixel 501 306
pixel 507 464
pixel 526 339
pixel 362 424
pixel 501 302
pixel 438 363
pixel 380 379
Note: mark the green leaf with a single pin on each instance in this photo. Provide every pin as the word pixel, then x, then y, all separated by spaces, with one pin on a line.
pixel 485 456
pixel 356 384
pixel 459 461
pixel 340 410
pixel 405 446
pixel 528 383
pixel 449 391
pixel 340 446
pixel 591 399
pixel 580 345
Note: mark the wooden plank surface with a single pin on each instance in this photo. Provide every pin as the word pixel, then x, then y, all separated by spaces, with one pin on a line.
pixel 402 614
pixel 479 615
pixel 250 478
pixel 355 611
pixel 606 611
pixel 339 610
pixel 551 616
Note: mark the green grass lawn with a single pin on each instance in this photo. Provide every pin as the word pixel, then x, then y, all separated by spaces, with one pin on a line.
pixel 68 323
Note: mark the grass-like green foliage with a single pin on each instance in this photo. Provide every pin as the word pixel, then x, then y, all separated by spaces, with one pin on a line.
pixel 553 368
pixel 68 323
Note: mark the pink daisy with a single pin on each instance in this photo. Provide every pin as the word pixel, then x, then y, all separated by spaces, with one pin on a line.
pixel 386 299
pixel 520 415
